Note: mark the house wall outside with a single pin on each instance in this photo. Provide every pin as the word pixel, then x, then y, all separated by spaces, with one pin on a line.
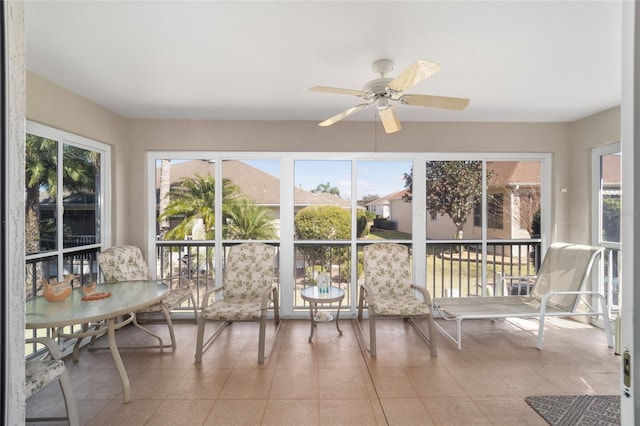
pixel 401 214
pixel 569 144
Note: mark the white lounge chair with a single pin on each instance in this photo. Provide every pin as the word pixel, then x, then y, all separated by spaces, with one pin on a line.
pixel 559 287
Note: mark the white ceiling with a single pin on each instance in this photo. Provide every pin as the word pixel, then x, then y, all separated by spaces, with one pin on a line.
pixel 516 61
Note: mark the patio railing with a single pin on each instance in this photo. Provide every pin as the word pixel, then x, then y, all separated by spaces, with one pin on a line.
pixel 452 268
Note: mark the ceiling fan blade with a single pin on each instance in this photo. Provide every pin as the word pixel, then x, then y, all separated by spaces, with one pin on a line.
pixel 444 102
pixel 343 114
pixel 389 120
pixel 414 74
pixel 337 90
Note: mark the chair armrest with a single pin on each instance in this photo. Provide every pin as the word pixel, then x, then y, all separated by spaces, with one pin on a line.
pixel 205 296
pixel 183 282
pixel 265 298
pixel 546 296
pixel 368 294
pixel 424 292
pixel 50 344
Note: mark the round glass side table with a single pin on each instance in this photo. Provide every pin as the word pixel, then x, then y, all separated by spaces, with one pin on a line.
pixel 315 297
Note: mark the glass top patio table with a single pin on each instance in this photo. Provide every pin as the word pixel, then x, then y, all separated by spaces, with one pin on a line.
pixel 126 298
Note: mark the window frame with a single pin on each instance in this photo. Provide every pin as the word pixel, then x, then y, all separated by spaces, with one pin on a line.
pixel 103 200
pixel 287 179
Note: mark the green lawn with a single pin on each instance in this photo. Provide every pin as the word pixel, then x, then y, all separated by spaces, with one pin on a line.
pixel 381 234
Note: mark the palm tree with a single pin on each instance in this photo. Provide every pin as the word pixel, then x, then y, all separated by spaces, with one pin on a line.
pixel 248 221
pixel 195 199
pixel 40 172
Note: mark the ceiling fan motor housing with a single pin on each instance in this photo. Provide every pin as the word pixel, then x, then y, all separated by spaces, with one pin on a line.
pixel 376 88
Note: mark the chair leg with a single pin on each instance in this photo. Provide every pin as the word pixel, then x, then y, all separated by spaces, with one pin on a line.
pixel 195 307
pixel 432 335
pixel 200 343
pixel 167 317
pixel 161 344
pixel 372 332
pixel 200 339
pixel 541 332
pixel 69 399
pixel 360 304
pixel 263 329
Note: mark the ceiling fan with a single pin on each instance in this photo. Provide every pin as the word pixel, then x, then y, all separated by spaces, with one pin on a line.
pixel 382 91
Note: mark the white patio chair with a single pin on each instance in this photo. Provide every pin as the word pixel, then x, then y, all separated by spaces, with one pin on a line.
pixel 247 293
pixel 42 371
pixel 126 263
pixel 559 287
pixel 388 291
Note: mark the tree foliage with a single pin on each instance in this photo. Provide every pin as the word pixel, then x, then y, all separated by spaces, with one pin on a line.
pixel 326 188
pixel 453 188
pixel 362 224
pixel 322 223
pixel 247 221
pixel 611 219
pixel 194 199
pixel 368 198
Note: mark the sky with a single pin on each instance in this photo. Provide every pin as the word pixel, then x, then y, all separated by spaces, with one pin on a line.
pixel 374 177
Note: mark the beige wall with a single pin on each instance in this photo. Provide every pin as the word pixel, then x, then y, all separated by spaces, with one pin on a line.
pixel 56 107
pixel 569 143
pixel 596 130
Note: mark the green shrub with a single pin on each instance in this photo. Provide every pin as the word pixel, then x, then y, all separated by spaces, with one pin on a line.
pixel 362 224
pixel 323 223
pixel 387 224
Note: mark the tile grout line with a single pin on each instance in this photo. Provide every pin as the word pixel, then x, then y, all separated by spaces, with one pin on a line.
pixel 365 356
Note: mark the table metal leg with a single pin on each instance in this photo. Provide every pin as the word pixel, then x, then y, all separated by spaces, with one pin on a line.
pixel 338 316
pixel 126 387
pixel 312 307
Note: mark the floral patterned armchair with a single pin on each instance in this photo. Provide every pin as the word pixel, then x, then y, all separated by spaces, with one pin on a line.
pixel 248 291
pixel 42 371
pixel 126 263
pixel 388 291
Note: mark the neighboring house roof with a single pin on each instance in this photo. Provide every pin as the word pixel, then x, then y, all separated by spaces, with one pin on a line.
pixel 386 200
pixel 333 199
pixel 515 172
pixel 260 187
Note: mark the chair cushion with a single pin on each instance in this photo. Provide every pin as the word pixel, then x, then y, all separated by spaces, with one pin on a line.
pixel 39 373
pixel 387 270
pixel 123 263
pixel 171 300
pixel 400 305
pixel 232 310
pixel 249 270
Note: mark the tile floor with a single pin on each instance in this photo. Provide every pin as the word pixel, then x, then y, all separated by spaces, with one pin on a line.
pixel 332 381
